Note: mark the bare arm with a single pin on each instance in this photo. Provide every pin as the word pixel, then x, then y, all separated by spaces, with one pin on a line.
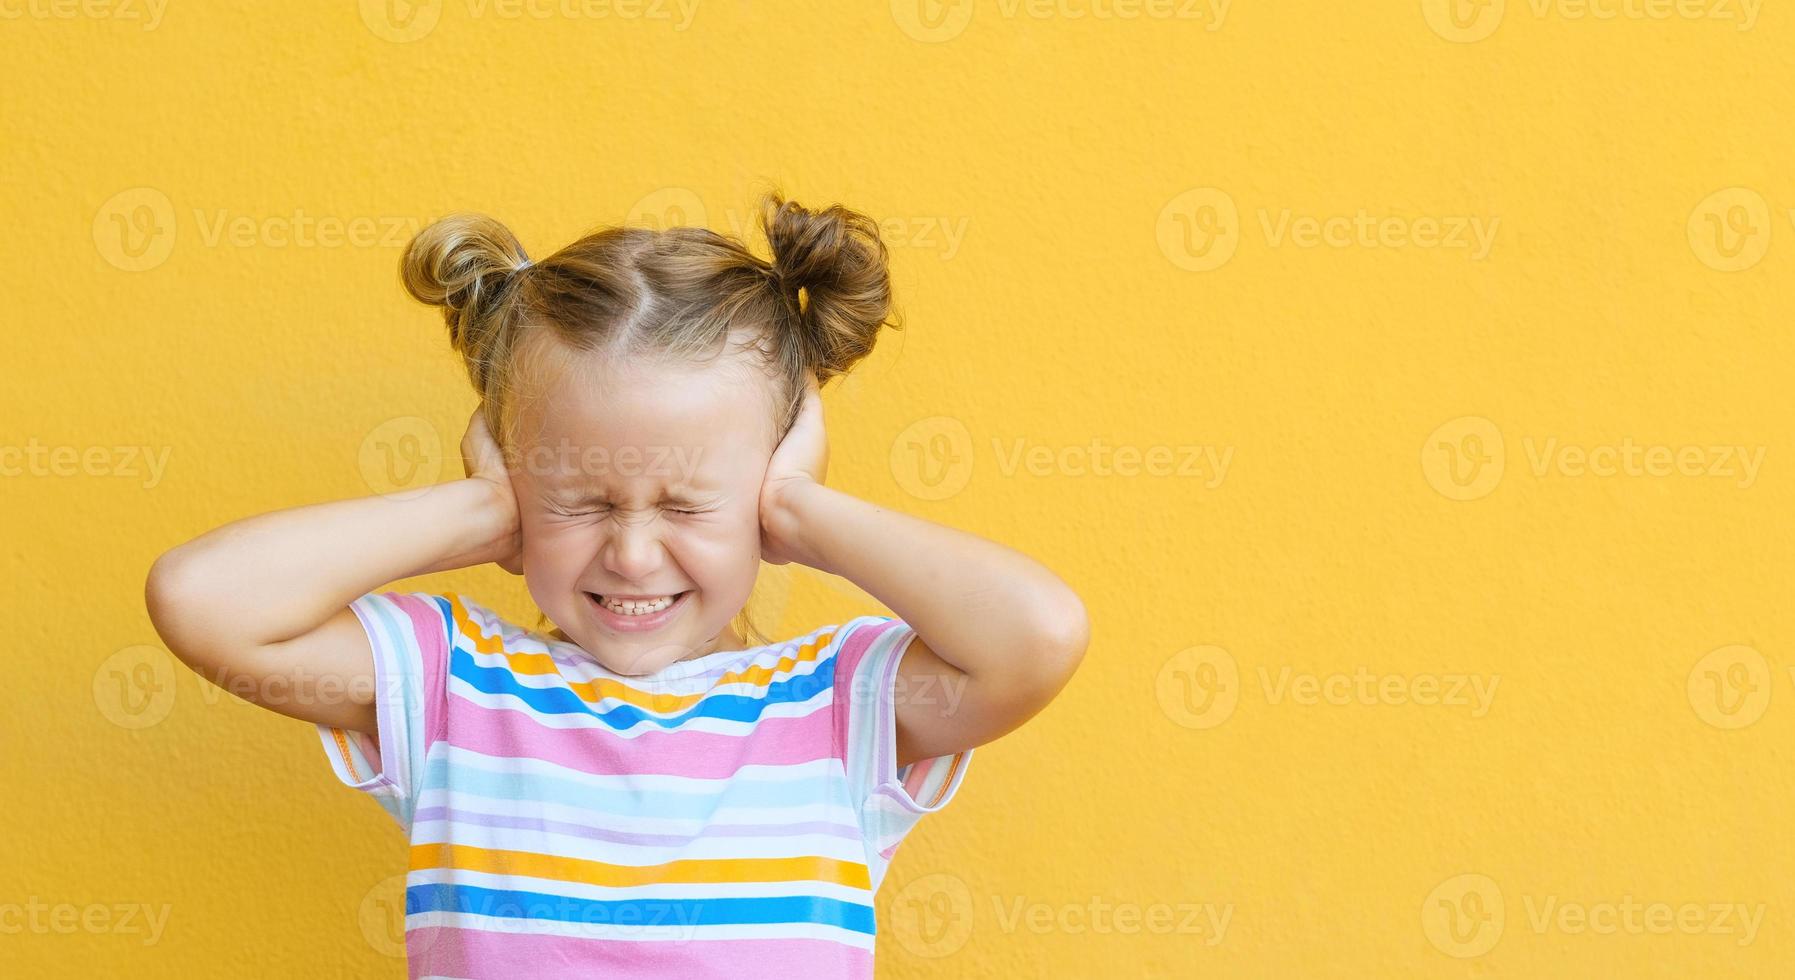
pixel 998 635
pixel 260 606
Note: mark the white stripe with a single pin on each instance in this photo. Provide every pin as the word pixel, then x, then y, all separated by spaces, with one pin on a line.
pixel 773 845
pixel 639 823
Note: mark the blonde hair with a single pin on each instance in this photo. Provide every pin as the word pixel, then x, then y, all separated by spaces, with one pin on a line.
pixel 814 309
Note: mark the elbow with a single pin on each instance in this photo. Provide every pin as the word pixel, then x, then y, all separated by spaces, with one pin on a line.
pixel 1065 634
pixel 167 592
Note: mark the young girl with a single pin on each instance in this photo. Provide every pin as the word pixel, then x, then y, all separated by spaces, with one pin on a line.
pixel 643 791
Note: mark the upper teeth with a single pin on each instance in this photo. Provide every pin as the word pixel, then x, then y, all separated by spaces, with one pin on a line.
pixel 638 607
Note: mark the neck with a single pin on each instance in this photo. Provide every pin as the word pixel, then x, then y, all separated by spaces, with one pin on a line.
pixel 729 639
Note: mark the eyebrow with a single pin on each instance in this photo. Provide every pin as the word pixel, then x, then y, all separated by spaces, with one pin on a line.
pixel 678 495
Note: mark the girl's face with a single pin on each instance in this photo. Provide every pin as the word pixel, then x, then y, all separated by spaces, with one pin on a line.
pixel 639 483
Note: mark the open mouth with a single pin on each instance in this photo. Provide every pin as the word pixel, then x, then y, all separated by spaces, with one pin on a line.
pixel 637 608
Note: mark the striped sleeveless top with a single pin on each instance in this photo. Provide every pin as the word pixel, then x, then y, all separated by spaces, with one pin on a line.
pixel 730 816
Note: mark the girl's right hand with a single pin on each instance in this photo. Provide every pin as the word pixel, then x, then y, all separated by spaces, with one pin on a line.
pixel 482 460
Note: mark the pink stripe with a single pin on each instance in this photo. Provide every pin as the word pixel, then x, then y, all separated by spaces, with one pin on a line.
pixel 474 953
pixel 701 755
pixel 431 630
pixel 467 817
pixel 847 661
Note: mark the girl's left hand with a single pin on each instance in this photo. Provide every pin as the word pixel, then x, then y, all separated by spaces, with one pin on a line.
pixel 801 458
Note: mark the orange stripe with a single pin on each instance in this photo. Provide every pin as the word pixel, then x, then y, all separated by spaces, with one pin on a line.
pixel 941 790
pixel 734 870
pixel 598 689
pixel 343 749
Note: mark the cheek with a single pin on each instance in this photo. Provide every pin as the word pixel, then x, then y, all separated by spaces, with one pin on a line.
pixel 716 552
pixel 558 550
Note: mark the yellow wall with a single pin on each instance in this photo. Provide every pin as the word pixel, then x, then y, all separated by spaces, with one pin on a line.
pixel 1106 229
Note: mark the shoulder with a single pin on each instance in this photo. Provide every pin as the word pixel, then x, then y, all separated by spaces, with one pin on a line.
pixel 865 645
pixel 458 619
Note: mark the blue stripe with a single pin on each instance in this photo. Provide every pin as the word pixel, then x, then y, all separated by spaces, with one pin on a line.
pixel 470 900
pixel 622 717
pixel 743 791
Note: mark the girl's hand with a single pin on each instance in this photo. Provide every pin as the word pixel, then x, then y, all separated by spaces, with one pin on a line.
pixel 482 460
pixel 801 459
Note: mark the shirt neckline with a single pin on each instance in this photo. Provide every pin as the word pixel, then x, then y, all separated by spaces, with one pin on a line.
pixel 680 669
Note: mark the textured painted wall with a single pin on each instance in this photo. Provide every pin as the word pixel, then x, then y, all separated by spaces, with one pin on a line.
pixel 1406 387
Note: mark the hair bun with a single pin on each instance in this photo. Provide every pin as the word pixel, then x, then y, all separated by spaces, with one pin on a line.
pixel 461 262
pixel 835 257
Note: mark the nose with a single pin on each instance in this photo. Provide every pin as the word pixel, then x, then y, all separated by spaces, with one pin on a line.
pixel 633 551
